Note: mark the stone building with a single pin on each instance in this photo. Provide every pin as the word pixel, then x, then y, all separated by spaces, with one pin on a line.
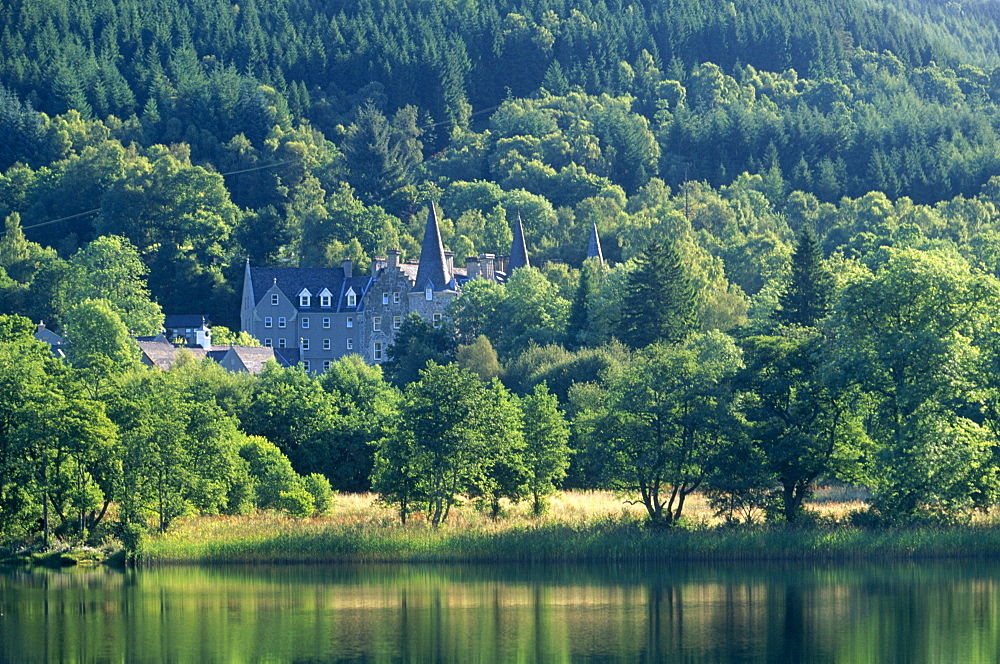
pixel 327 313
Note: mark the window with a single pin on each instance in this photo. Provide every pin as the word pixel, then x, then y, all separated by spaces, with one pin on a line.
pixel 377 324
pixel 274 300
pixel 304 343
pixel 267 343
pixel 326 365
pixel 326 344
pixel 324 300
pixel 281 342
pixel 397 322
pixel 350 321
pixel 326 323
pixel 352 298
pixel 395 297
pixel 282 321
pixel 350 343
pixel 385 298
pixel 429 293
pixel 305 323
pixel 305 299
pixel 305 365
pixel 377 351
pixel 267 321
pixel 437 320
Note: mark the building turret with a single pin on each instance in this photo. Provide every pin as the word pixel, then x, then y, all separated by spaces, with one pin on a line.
pixel 594 248
pixel 519 249
pixel 433 272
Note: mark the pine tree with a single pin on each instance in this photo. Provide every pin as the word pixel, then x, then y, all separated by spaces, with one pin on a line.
pixel 660 303
pixel 807 299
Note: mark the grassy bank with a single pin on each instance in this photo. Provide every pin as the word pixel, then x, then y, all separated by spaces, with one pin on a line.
pixel 580 527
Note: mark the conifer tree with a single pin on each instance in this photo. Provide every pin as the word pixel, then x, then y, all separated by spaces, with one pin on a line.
pixel 660 302
pixel 807 299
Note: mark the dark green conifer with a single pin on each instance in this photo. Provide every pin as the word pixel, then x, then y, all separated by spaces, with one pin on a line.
pixel 660 302
pixel 806 301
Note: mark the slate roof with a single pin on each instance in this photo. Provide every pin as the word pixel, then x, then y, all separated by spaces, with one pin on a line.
pixel 519 249
pixel 594 248
pixel 163 355
pixel 433 270
pixel 174 321
pixel 291 281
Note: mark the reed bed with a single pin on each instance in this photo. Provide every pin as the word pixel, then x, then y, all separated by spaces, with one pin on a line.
pixel 580 527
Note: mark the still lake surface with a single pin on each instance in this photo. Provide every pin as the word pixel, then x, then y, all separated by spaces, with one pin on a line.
pixel 886 612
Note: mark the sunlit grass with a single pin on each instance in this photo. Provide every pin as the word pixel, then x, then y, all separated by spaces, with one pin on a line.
pixel 579 526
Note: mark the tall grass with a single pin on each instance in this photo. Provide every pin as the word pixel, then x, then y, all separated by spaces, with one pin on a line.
pixel 591 526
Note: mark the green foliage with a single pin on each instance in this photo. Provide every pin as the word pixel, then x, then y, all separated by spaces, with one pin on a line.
pixel 659 302
pixel 546 438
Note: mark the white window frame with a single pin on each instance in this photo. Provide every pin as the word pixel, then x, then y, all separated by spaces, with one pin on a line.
pixel 385 298
pixel 282 343
pixel 428 293
pixel 282 322
pixel 327 345
pixel 268 321
pixel 326 323
pixel 377 324
pixel 395 297
pixel 305 365
pixel 350 343
pixel 377 353
pixel 324 301
pixel 304 343
pixel 268 343
pixel 352 298
pixel 326 365
pixel 304 300
pixel 397 322
pixel 274 299
pixel 350 321
pixel 437 317
pixel 305 323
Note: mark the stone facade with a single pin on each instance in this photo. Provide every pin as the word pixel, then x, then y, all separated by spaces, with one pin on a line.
pixel 327 313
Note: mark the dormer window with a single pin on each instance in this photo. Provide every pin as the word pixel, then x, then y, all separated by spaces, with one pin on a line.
pixel 352 298
pixel 325 298
pixel 429 293
pixel 305 298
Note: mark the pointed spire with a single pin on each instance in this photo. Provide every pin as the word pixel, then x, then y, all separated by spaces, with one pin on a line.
pixel 519 249
pixel 594 248
pixel 433 268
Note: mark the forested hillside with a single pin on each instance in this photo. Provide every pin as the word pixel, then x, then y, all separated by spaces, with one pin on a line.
pixel 811 190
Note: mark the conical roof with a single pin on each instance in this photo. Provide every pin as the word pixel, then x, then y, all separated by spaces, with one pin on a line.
pixel 519 249
pixel 433 268
pixel 594 248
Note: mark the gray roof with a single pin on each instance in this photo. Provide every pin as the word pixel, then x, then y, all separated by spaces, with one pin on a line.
pixel 174 321
pixel 519 250
pixel 291 281
pixel 433 270
pixel 163 355
pixel 594 248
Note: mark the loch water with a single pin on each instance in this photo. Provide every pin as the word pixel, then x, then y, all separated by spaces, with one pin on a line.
pixel 946 611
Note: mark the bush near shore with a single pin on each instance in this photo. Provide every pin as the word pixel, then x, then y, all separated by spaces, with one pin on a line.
pixel 581 527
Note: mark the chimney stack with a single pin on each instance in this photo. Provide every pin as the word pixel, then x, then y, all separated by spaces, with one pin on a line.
pixel 394 255
pixel 472 267
pixel 348 266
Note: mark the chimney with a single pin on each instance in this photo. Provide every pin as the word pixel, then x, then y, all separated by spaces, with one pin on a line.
pixel 348 268
pixel 203 336
pixel 377 264
pixel 487 266
pixel 394 255
pixel 449 260
pixel 472 267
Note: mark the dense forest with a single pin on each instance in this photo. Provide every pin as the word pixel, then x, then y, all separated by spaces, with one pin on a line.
pixel 809 194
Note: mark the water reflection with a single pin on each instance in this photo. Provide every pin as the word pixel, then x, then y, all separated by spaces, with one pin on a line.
pixel 933 612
